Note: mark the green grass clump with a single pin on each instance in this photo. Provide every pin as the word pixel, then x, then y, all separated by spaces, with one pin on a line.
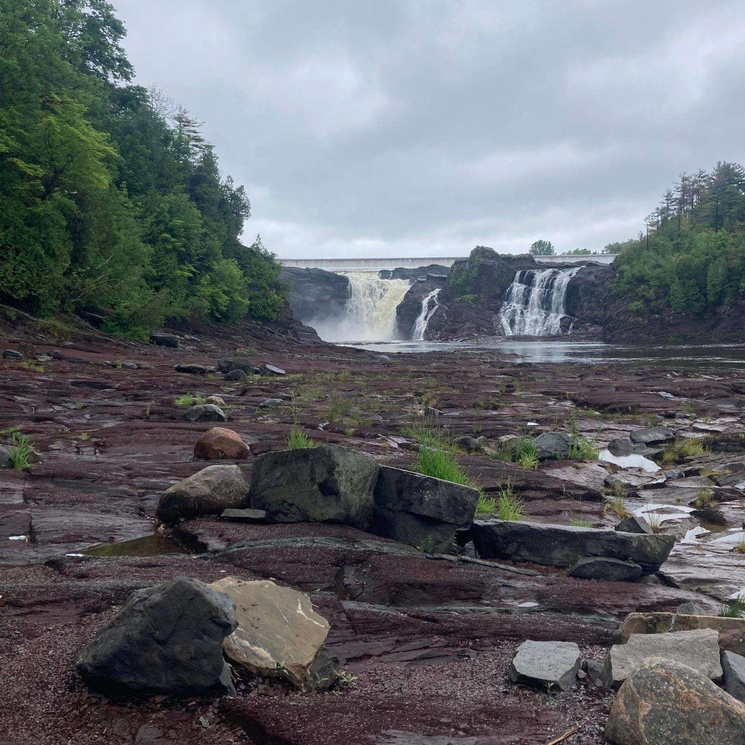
pixel 617 505
pixel 189 399
pixel 486 505
pixel 740 547
pixel 432 437
pixel 704 497
pixel 298 439
pixel 525 452
pixel 22 448
pixel 442 464
pixel 509 505
pixel 582 449
pixel 735 609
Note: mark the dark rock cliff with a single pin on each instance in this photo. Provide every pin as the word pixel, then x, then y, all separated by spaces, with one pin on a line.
pixel 315 294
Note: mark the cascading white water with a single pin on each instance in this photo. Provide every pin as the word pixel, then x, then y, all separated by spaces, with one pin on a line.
pixel 370 311
pixel 535 302
pixel 429 306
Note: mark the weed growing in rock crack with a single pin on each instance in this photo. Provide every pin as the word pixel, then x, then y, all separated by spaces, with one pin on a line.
pixel 486 505
pixel 654 520
pixel 32 367
pixel 740 548
pixel 21 450
pixel 734 609
pixel 428 545
pixel 509 505
pixel 617 505
pixel 704 497
pixel 298 439
pixel 578 522
pixel 189 399
pixel 347 680
pixel 690 448
pixel 430 436
pixel 442 464
pixel 582 449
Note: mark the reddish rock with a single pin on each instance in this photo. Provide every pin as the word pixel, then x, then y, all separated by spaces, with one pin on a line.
pixel 220 443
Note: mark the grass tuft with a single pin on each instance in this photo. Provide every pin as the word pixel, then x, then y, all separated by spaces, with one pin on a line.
pixel 189 399
pixel 734 609
pixel 22 448
pixel 582 449
pixel 299 440
pixel 442 464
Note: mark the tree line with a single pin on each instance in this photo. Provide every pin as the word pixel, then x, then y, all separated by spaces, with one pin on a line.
pixel 111 199
pixel 691 256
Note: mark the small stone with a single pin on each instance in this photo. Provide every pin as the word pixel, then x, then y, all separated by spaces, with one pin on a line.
pixel 734 674
pixel 228 364
pixel 244 516
pixel 468 444
pixel 553 446
pixel 270 403
pixel 664 702
pixel 546 664
pixel 271 370
pixel 206 413
pixel 5 458
pixel 634 524
pixel 128 365
pixel 215 400
pixel 238 376
pixel 690 609
pixel 652 436
pixel 11 354
pixel 609 570
pixel 596 671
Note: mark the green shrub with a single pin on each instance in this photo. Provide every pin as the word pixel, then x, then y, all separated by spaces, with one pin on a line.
pixel 582 449
pixel 442 464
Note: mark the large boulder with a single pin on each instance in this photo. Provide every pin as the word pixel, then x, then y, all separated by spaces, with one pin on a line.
pixel 697 649
pixel 667 703
pixel 228 364
pixel 421 510
pixel 322 484
pixel 546 664
pixel 166 639
pixel 731 630
pixel 207 492
pixel 218 443
pixel 564 545
pixel 553 446
pixel 162 339
pixel 191 368
pixel 278 634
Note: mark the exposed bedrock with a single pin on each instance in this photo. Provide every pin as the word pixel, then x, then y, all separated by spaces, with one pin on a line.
pixel 410 308
pixel 315 294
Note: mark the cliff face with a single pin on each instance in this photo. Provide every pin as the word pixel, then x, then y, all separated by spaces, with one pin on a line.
pixel 316 294
pixel 410 307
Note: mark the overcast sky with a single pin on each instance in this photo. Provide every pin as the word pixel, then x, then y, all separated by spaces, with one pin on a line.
pixel 426 127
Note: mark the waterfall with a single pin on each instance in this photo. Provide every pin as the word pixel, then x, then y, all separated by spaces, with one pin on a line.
pixel 535 302
pixel 370 313
pixel 429 306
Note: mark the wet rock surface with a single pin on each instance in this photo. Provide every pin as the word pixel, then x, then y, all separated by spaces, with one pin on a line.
pixel 422 634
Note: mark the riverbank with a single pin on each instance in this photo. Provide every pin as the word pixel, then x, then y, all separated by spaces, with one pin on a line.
pixel 429 640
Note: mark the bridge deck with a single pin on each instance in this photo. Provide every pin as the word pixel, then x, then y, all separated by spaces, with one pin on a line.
pixel 375 265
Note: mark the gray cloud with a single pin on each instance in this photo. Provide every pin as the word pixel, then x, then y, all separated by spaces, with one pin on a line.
pixel 425 127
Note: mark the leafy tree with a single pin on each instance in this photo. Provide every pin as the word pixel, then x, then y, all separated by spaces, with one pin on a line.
pixel 542 248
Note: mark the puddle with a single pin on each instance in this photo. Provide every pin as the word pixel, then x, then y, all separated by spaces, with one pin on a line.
pixel 150 545
pixel 736 537
pixel 629 461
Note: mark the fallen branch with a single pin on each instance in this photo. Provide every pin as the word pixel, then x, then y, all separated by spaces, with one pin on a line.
pixel 563 737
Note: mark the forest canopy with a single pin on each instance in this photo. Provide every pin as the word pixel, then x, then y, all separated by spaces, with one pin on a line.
pixel 692 255
pixel 111 199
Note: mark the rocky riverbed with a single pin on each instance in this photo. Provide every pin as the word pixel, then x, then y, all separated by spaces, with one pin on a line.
pixel 426 641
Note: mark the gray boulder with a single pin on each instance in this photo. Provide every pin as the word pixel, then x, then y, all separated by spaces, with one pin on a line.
pixel 634 525
pixel 194 369
pixel 421 510
pixel 238 376
pixel 164 340
pixel 546 664
pixel 11 354
pixel 166 639
pixel 564 545
pixel 206 413
pixel 228 364
pixel 667 703
pixel 651 436
pixel 207 492
pixel 733 666
pixel 609 570
pixel 468 444
pixel 322 484
pixel 696 649
pixel 553 446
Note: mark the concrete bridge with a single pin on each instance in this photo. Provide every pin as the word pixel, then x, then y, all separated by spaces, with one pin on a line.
pixel 376 265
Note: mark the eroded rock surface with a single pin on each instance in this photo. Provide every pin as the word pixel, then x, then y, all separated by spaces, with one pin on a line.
pixel 546 664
